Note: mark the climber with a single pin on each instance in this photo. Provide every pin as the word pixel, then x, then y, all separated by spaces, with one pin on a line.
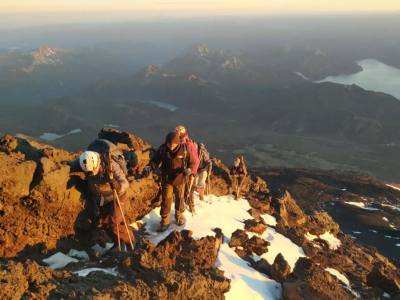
pixel 192 148
pixel 176 164
pixel 108 195
pixel 203 171
pixel 239 173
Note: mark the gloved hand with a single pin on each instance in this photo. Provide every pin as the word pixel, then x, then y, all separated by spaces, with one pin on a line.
pixel 115 185
pixel 187 172
pixel 146 171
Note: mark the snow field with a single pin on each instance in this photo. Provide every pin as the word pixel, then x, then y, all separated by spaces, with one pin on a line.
pixel 228 214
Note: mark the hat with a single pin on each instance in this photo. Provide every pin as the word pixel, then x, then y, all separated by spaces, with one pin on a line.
pixel 172 138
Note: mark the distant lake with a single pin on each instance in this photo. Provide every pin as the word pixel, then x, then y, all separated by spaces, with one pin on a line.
pixel 375 76
pixel 49 136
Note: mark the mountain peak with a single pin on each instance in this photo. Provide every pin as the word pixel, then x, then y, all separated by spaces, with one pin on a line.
pixel 201 49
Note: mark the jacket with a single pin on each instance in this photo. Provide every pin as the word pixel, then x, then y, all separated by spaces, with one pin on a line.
pixel 100 188
pixel 204 159
pixel 173 163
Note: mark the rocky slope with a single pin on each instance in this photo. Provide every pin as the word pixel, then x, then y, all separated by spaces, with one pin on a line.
pixel 41 199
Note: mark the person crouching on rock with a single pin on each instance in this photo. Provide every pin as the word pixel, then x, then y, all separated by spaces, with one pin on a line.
pixel 103 179
pixel 239 173
pixel 176 163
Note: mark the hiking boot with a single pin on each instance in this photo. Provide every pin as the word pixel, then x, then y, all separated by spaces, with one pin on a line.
pixel 201 193
pixel 180 221
pixel 163 227
pixel 191 209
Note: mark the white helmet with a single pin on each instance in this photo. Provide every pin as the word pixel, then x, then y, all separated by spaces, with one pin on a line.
pixel 89 161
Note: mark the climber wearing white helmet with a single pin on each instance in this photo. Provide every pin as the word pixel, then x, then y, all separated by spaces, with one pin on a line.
pixel 103 179
pixel 90 161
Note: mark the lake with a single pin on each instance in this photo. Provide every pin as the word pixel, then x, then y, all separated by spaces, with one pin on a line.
pixel 375 76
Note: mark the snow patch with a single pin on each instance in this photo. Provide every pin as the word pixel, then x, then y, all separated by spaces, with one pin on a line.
pixel 59 260
pixel 385 219
pixel 362 205
pixel 393 187
pixel 81 255
pixel 101 250
pixel 229 214
pixel 279 244
pixel 333 242
pixel 392 207
pixel 86 272
pixel 246 283
pixel 343 279
pixel 269 220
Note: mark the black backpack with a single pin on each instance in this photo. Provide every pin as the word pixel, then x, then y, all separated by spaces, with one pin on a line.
pixel 107 150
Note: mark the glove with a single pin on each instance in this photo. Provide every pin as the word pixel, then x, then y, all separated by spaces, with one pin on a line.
pixel 187 172
pixel 115 185
pixel 146 171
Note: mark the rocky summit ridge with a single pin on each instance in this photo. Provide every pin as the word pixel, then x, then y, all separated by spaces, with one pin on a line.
pixel 41 199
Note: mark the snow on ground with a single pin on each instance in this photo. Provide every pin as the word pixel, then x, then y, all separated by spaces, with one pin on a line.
pixel 280 244
pixel 393 187
pixel 86 272
pixel 362 205
pixel 343 279
pixel 333 242
pixel 59 260
pixel 228 214
pixel 102 250
pixel 81 255
pixel 246 283
pixel 392 207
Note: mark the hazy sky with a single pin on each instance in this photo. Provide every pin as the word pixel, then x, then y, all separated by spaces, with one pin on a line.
pixel 21 13
pixel 199 6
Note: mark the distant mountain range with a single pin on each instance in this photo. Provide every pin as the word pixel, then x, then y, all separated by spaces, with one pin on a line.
pixel 263 104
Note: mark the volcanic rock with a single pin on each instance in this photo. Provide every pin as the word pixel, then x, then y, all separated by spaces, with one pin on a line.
pixel 280 269
pixel 255 226
pixel 310 281
pixel 288 212
pixel 385 278
pixel 256 245
pixel 238 239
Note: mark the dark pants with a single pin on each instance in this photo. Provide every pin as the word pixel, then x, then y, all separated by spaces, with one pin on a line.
pixel 168 193
pixel 111 218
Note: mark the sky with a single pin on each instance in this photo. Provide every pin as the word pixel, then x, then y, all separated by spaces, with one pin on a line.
pixel 36 12
pixel 199 6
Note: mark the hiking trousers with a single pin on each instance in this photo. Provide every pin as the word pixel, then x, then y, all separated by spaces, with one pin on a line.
pixel 111 217
pixel 169 192
pixel 200 180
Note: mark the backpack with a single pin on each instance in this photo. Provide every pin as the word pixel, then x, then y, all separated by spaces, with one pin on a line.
pixel 204 156
pixel 107 150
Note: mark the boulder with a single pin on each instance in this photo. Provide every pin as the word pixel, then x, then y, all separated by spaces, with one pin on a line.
pixel 16 176
pixel 309 281
pixel 288 213
pixel 385 278
pixel 280 269
pixel 179 251
pixel 255 226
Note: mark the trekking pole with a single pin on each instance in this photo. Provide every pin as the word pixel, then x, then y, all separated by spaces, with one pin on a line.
pixel 111 177
pixel 123 217
pixel 119 239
